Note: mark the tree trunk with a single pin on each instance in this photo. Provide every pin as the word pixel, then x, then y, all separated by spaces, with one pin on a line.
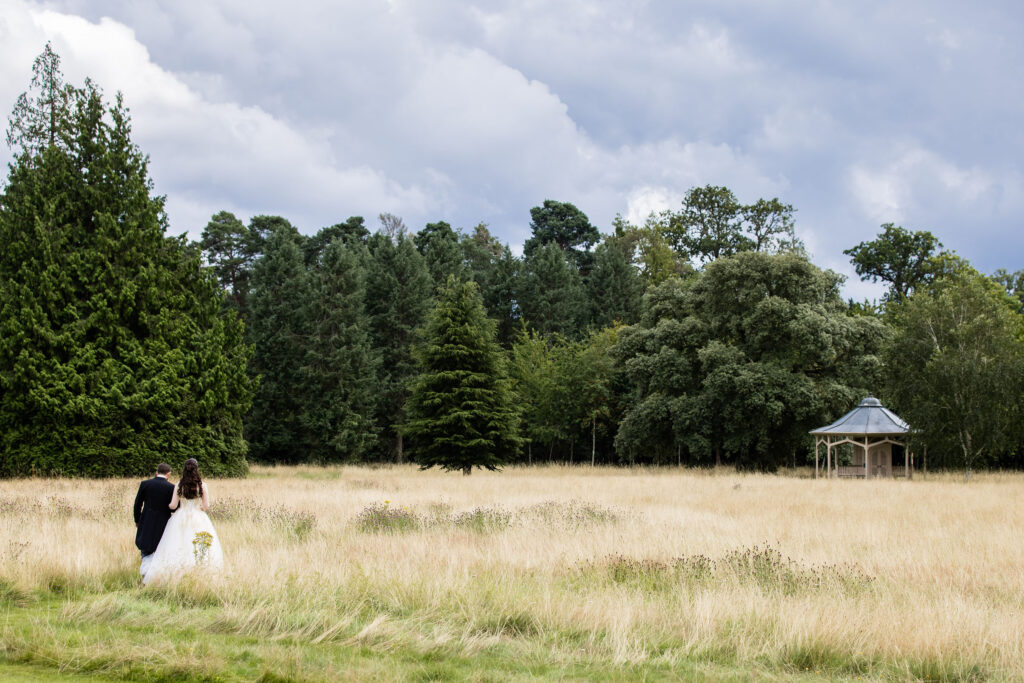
pixel 679 455
pixel 572 444
pixel 593 442
pixel 718 456
pixel 399 449
pixel 467 470
pixel 529 453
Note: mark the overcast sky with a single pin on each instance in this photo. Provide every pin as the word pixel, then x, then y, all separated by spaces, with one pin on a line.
pixel 857 113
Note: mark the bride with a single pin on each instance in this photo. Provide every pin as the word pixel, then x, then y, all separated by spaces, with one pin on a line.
pixel 189 539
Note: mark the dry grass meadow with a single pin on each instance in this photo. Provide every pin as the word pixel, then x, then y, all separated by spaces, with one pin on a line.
pixel 530 574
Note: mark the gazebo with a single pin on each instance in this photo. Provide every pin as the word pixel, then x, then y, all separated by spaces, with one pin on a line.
pixel 872 430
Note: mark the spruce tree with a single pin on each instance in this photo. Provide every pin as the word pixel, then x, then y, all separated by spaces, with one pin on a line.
pixel 551 294
pixel 279 332
pixel 114 351
pixel 398 300
pixel 440 247
pixel 461 410
pixel 339 373
pixel 614 286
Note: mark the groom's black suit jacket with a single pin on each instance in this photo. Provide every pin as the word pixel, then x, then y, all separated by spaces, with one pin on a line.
pixel 152 512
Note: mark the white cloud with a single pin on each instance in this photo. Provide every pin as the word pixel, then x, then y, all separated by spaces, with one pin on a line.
pixel 913 179
pixel 477 111
pixel 211 152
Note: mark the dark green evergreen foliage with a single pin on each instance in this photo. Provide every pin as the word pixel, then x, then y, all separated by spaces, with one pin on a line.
pixel 956 370
pixel 352 231
pixel 339 373
pixel 231 249
pixel 500 297
pixel 41 117
pixel 614 286
pixel 262 227
pixel 279 332
pixel 461 408
pixel 114 351
pixel 493 267
pixel 441 251
pixel 902 259
pixel 563 224
pixel 551 295
pixel 398 301
pixel 739 363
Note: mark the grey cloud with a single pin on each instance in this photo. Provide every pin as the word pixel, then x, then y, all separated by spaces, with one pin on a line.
pixel 855 113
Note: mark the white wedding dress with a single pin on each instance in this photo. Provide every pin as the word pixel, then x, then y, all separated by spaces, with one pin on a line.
pixel 181 549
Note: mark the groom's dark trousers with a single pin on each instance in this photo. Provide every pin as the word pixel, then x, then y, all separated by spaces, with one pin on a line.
pixel 152 512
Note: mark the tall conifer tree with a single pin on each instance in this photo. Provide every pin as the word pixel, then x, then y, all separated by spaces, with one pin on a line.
pixel 398 299
pixel 339 374
pixel 461 410
pixel 551 293
pixel 114 353
pixel 614 286
pixel 279 332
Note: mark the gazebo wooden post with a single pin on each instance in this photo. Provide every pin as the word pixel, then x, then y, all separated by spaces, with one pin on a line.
pixel 817 442
pixel 906 464
pixel 828 457
pixel 867 459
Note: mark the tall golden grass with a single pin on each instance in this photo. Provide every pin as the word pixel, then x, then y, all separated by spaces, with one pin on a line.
pixel 904 579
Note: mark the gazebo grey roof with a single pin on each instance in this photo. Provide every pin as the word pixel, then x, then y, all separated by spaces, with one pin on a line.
pixel 870 418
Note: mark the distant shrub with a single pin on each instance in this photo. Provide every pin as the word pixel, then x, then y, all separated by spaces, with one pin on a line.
pixel 764 567
pixel 382 517
pixel 484 519
pixel 573 514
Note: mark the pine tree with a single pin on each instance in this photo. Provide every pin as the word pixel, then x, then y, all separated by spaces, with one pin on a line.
pixel 461 410
pixel 231 250
pixel 339 374
pixel 114 351
pixel 398 290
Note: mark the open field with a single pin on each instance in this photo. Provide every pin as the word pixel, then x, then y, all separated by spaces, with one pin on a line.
pixel 553 572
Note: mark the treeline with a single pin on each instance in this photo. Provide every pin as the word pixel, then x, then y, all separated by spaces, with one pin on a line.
pixel 703 337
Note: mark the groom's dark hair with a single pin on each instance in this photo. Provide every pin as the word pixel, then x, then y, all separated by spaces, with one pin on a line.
pixel 163 468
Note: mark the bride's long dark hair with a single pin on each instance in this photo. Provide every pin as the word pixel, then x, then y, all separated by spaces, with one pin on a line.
pixel 191 484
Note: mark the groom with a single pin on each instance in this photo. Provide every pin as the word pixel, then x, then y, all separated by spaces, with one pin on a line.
pixel 152 510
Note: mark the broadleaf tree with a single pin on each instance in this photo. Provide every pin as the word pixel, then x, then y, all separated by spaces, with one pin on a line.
pixel 956 367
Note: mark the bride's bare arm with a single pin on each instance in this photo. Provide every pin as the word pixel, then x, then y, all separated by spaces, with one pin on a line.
pixel 206 498
pixel 174 499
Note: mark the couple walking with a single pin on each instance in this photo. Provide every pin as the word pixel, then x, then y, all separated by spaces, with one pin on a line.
pixel 174 532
